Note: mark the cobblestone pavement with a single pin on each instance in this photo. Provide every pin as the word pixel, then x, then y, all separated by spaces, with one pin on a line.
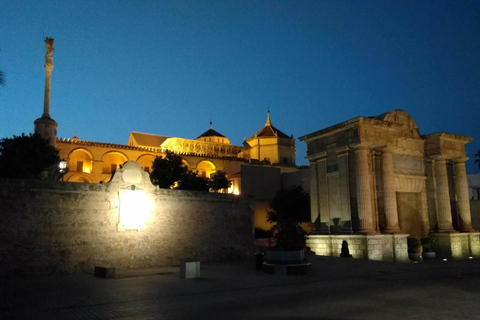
pixel 337 289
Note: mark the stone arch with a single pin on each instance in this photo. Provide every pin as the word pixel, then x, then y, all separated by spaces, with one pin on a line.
pixel 146 161
pixel 79 178
pixel 205 168
pixel 186 163
pixel 80 160
pixel 112 160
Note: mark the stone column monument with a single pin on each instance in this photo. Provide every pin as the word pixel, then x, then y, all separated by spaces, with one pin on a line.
pixel 364 191
pixel 463 199
pixel 46 126
pixel 389 194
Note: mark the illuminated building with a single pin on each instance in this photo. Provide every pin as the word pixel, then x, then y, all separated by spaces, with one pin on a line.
pixel 271 150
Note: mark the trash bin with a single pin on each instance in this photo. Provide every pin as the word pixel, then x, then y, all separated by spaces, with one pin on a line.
pixel 259 260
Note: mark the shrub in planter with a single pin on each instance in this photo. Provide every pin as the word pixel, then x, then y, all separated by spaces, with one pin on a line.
pixel 429 244
pixel 414 245
pixel 414 249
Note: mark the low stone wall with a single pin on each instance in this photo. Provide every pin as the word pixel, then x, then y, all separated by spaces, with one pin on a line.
pixel 49 227
pixel 458 245
pixel 373 247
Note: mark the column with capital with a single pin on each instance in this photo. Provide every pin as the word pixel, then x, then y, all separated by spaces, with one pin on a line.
pixel 389 193
pixel 364 191
pixel 48 73
pixel 444 210
pixel 463 201
pixel 46 126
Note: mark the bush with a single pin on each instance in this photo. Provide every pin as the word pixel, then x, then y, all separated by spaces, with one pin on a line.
pixel 429 244
pixel 413 245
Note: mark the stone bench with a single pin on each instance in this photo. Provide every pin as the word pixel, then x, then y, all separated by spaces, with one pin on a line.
pixel 189 269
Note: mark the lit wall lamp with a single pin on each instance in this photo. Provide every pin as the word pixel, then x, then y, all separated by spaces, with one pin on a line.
pixel 62 165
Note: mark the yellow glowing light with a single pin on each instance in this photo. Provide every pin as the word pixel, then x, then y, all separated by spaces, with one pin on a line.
pixel 233 190
pixel 135 208
pixel 86 170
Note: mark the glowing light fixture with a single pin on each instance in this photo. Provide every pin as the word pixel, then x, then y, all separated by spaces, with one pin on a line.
pixel 86 170
pixel 135 209
pixel 62 166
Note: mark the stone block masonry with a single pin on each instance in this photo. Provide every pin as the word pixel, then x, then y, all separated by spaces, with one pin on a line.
pixel 62 227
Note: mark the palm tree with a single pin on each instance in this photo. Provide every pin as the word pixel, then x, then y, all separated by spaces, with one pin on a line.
pixel 477 161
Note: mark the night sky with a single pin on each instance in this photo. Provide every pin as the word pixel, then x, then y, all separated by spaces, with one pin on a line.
pixel 171 67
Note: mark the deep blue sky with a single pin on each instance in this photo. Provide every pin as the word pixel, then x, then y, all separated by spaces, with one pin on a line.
pixel 171 67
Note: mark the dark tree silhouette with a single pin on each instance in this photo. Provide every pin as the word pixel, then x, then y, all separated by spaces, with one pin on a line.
pixel 289 207
pixel 477 161
pixel 27 157
pixel 219 181
pixel 289 203
pixel 169 172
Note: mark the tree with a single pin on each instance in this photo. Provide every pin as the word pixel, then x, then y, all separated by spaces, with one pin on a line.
pixel 27 157
pixel 477 161
pixel 219 181
pixel 289 207
pixel 169 172
pixel 190 181
pixel 166 171
pixel 292 203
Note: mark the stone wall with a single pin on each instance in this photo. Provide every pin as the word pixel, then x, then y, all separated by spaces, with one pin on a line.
pixel 67 227
pixel 374 247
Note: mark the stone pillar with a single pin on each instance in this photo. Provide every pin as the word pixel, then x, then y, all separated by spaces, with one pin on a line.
pixel 431 194
pixel 342 156
pixel 444 211
pixel 48 72
pixel 463 201
pixel 364 191
pixel 314 213
pixel 45 126
pixel 423 208
pixel 323 194
pixel 389 194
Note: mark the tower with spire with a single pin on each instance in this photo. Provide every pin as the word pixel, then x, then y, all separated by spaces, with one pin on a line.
pixel 46 126
pixel 272 145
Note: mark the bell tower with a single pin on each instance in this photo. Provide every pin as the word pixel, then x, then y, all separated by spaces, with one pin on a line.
pixel 46 126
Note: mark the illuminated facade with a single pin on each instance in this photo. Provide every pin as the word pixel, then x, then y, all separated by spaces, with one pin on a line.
pixel 379 177
pixel 93 162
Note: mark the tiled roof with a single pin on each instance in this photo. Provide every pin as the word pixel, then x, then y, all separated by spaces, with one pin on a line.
pixel 211 133
pixel 269 131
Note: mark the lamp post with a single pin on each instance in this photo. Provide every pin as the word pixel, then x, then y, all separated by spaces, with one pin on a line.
pixel 62 165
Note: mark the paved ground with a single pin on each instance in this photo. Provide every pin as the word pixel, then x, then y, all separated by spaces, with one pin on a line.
pixel 337 289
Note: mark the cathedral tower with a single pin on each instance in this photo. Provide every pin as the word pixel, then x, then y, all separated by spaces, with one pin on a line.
pixel 46 126
pixel 272 145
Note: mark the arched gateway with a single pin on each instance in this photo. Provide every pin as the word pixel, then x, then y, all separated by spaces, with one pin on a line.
pixel 376 180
